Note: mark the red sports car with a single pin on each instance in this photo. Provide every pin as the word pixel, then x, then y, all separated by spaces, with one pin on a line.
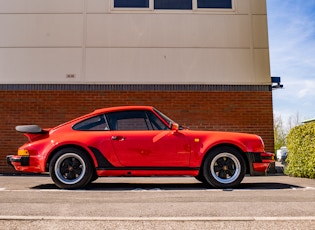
pixel 137 141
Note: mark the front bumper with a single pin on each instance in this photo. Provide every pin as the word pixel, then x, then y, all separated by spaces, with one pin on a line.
pixel 259 163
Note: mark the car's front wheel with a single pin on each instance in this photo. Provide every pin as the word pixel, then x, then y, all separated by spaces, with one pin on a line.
pixel 70 168
pixel 224 167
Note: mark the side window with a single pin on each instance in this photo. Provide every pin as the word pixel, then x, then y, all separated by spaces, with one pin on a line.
pixel 97 123
pixel 130 120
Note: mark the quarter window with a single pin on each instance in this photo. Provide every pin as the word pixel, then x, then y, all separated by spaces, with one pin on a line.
pixel 96 123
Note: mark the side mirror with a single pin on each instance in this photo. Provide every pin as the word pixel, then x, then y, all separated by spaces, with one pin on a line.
pixel 174 126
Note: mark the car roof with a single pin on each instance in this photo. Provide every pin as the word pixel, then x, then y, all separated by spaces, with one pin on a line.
pixel 122 108
pixel 106 110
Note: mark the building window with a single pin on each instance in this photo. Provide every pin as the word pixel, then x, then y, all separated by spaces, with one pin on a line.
pixel 221 4
pixel 131 3
pixel 173 4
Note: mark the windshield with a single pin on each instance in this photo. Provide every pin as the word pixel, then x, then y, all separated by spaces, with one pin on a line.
pixel 166 118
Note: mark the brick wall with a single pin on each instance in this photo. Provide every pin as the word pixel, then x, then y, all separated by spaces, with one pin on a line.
pixel 234 109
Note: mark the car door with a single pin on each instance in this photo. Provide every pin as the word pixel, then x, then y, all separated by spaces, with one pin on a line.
pixel 139 143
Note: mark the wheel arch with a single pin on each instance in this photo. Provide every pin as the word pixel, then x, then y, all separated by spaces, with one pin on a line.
pixel 243 154
pixel 86 151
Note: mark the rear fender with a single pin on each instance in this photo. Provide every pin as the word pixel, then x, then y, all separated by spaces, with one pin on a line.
pixel 86 150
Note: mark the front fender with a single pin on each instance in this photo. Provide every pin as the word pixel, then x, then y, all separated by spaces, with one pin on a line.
pixel 202 144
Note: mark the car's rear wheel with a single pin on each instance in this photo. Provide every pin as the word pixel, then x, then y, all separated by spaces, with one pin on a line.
pixel 70 168
pixel 224 167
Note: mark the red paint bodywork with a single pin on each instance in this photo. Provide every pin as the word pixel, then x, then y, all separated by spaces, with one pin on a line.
pixel 139 153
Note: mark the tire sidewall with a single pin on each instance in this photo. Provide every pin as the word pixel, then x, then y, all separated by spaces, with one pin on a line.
pixel 83 180
pixel 212 156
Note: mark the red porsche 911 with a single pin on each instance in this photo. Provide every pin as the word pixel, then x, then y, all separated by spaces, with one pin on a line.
pixel 137 141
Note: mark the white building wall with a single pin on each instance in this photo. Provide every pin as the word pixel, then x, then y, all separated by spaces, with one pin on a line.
pixel 87 41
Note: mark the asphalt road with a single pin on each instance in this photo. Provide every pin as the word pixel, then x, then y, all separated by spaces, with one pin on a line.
pixel 272 202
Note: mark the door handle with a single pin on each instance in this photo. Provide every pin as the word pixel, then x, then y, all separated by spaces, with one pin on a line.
pixel 118 138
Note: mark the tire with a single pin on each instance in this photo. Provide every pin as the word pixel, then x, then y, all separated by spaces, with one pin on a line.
pixel 70 168
pixel 94 177
pixel 224 167
pixel 201 178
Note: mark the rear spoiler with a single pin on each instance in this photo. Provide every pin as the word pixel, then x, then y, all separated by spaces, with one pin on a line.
pixel 34 129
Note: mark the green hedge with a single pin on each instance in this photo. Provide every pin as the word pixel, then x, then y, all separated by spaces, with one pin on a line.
pixel 301 151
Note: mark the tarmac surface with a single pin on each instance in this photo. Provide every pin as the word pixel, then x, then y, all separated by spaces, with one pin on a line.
pixel 269 202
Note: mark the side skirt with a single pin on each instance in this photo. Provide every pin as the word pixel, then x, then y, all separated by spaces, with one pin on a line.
pixel 147 171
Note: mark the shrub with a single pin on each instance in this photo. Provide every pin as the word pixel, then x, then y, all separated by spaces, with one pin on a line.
pixel 301 151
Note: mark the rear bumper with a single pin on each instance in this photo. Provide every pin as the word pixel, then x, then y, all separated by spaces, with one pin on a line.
pixel 24 163
pixel 259 163
pixel 13 160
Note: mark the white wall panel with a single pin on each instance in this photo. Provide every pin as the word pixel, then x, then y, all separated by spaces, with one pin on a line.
pixel 39 65
pixel 251 6
pixel 260 31
pixel 98 6
pixel 169 65
pixel 41 30
pixel 167 30
pixel 41 6
pixel 44 40
pixel 258 6
pixel 242 6
pixel 262 66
